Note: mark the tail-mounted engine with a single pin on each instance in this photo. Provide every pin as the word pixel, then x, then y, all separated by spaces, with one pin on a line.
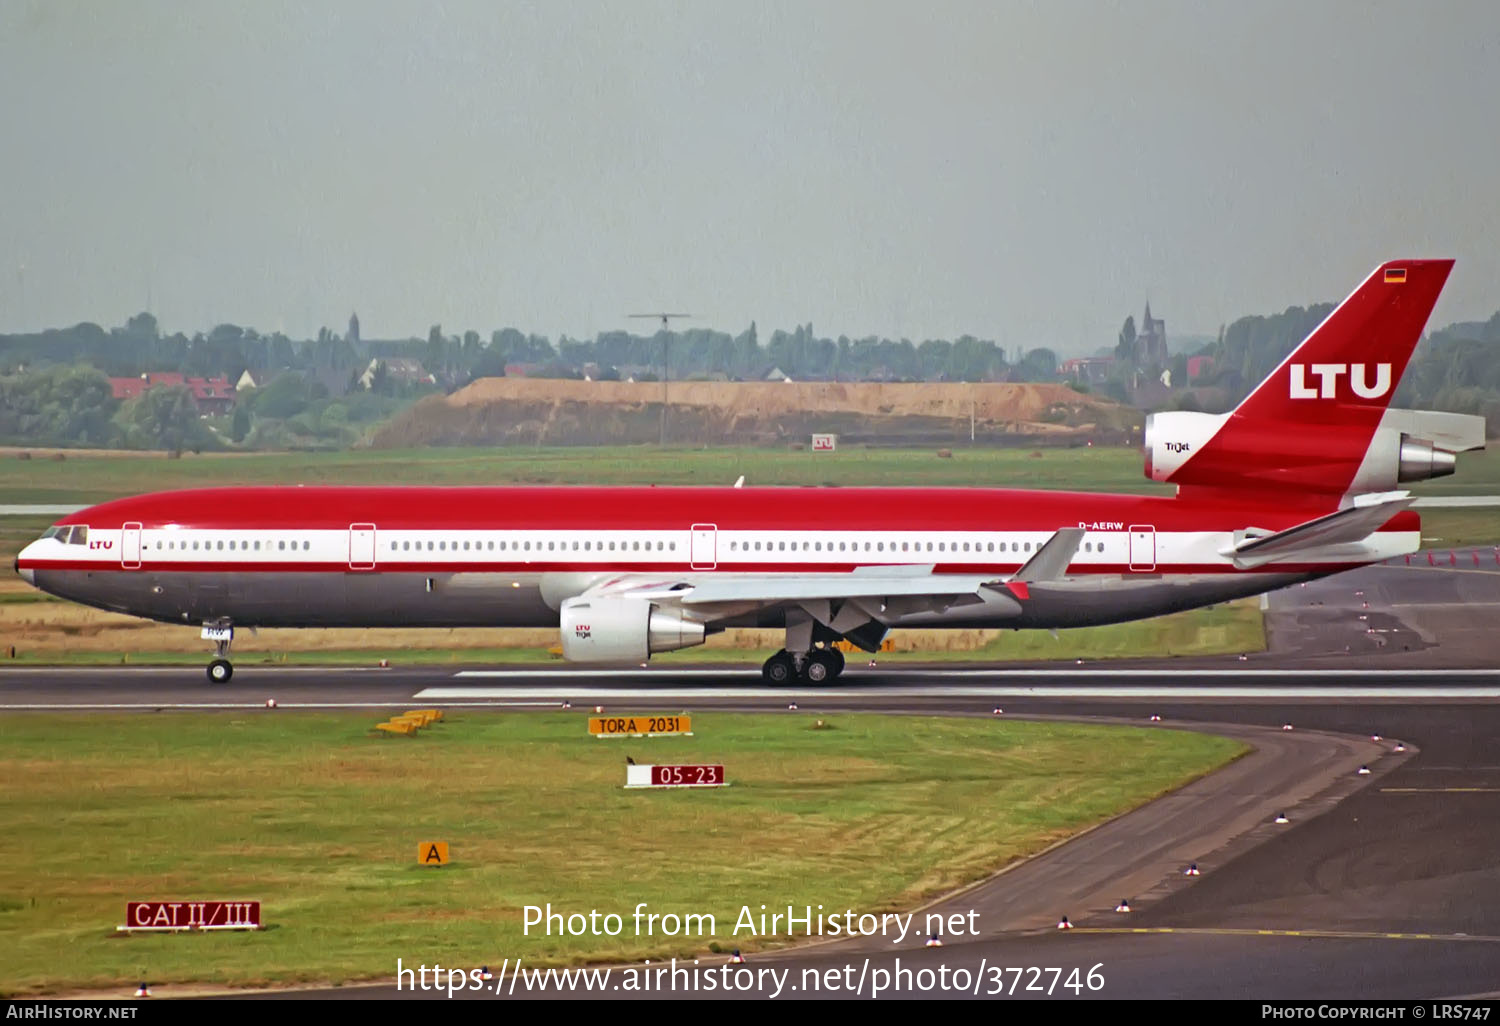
pixel 1409 445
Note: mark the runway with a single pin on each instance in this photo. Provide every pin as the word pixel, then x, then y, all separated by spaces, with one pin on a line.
pixel 1379 886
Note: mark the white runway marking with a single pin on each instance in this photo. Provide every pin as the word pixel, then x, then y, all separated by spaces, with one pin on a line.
pixel 1004 672
pixel 257 668
pixel 960 691
pixel 210 706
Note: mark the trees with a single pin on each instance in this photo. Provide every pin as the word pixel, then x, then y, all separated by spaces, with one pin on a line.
pixel 165 417
pixel 241 424
pixel 436 358
pixel 1125 347
pixel 64 405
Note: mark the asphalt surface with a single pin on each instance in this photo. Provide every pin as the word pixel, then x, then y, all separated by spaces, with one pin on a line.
pixel 1431 609
pixel 1379 886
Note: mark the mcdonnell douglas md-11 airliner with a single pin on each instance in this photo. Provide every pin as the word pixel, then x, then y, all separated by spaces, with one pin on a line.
pixel 1299 481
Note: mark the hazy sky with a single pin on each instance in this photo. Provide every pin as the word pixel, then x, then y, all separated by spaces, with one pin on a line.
pixel 1024 172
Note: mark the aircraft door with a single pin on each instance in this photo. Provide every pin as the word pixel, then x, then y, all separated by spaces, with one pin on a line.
pixel 1142 547
pixel 705 542
pixel 361 546
pixel 130 546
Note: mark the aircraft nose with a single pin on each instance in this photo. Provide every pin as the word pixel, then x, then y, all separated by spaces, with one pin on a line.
pixel 25 573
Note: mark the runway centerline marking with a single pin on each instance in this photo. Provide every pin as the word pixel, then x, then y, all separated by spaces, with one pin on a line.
pixel 1333 934
pixel 1440 790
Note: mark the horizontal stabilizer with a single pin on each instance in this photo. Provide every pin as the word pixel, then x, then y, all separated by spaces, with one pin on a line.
pixel 1352 524
pixel 1053 558
pixel 1451 432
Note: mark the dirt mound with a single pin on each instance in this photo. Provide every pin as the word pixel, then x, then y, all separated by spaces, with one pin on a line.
pixel 564 412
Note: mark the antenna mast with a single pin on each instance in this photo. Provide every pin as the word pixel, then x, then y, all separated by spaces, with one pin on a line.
pixel 665 341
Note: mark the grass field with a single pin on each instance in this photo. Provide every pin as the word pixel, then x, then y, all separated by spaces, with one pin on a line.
pixel 317 819
pixel 94 478
pixel 54 631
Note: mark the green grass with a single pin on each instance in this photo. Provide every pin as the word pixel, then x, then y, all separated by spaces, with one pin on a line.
pixel 1456 528
pixel 319 821
pixel 1478 473
pixel 91 479
pixel 1216 630
pixel 15 534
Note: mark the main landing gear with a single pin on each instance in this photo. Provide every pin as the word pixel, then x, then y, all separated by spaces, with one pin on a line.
pixel 814 667
pixel 219 669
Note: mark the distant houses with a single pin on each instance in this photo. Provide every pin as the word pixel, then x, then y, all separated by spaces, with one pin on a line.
pixel 398 368
pixel 1089 368
pixel 212 395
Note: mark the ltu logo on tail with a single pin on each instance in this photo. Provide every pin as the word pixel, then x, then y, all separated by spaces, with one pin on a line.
pixel 1329 374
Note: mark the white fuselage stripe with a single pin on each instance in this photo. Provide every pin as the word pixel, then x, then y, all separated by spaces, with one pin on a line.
pixel 1143 549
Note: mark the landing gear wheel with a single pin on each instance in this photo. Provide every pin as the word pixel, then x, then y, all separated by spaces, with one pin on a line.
pixel 219 671
pixel 779 669
pixel 820 667
pixel 838 661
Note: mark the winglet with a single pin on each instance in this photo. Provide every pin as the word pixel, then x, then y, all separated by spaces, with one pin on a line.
pixel 1052 559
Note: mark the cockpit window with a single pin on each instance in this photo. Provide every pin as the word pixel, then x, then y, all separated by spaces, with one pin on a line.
pixel 80 535
pixel 53 532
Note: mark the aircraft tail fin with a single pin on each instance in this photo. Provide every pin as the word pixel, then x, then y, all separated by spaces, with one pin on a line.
pixel 1314 424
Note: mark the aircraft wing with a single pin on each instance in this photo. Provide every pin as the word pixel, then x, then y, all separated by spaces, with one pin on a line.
pixel 772 588
pixel 858 606
pixel 1348 526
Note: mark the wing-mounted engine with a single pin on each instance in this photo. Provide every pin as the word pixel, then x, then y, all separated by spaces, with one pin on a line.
pixel 622 630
